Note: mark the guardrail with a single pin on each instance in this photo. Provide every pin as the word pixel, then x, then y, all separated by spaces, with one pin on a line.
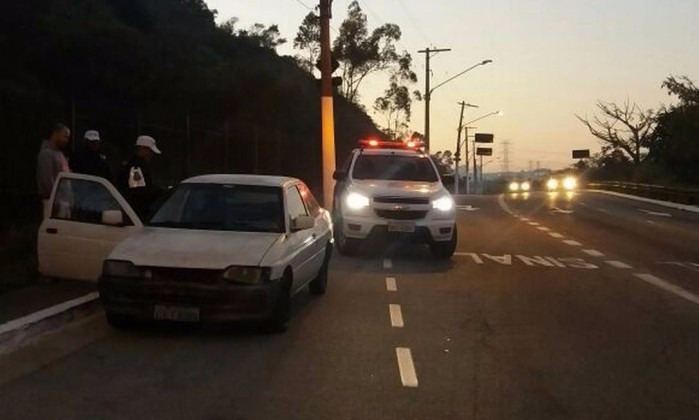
pixel 656 192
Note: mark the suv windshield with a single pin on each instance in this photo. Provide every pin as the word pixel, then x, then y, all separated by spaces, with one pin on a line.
pixel 241 208
pixel 394 168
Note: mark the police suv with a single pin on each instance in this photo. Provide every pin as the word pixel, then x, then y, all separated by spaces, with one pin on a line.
pixel 392 190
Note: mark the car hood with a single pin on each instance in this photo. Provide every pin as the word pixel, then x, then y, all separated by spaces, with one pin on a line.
pixel 184 248
pixel 375 188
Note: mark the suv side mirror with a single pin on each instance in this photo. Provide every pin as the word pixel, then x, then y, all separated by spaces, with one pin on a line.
pixel 303 223
pixel 113 218
pixel 340 175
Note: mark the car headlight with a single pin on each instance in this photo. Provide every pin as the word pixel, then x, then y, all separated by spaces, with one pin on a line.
pixel 514 186
pixel 552 184
pixel 247 275
pixel 570 183
pixel 356 201
pixel 525 186
pixel 116 268
pixel 445 204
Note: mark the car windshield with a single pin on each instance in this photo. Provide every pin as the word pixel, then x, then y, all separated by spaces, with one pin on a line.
pixel 241 208
pixel 394 168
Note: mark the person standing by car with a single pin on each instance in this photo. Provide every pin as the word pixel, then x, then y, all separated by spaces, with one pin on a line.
pixel 89 159
pixel 50 162
pixel 135 180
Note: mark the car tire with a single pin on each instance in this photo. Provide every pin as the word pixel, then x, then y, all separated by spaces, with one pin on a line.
pixel 119 322
pixel 319 284
pixel 278 322
pixel 444 250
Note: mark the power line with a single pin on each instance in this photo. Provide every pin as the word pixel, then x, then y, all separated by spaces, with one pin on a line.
pixel 310 9
pixel 414 22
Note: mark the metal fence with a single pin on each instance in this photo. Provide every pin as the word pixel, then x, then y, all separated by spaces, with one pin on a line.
pixel 674 194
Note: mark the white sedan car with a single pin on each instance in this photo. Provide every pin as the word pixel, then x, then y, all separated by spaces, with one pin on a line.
pixel 220 248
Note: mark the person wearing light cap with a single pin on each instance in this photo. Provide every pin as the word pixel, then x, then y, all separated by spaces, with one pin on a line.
pixel 135 180
pixel 89 159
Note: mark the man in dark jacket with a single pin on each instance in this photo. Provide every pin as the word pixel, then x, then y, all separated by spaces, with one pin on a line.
pixel 89 159
pixel 135 180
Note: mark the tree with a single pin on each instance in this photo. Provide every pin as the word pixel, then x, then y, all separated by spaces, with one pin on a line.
pixel 308 39
pixel 627 128
pixel 444 161
pixel 675 142
pixel 258 34
pixel 361 53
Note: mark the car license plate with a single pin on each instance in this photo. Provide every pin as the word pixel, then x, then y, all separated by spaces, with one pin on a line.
pixel 404 227
pixel 175 313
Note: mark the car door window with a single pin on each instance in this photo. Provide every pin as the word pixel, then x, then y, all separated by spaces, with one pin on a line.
pixel 311 203
pixel 84 201
pixel 295 203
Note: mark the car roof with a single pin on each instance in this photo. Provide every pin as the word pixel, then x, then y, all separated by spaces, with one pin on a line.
pixel 242 179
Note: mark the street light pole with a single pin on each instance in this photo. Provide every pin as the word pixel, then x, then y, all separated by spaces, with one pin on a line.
pixel 428 92
pixel 457 156
pixel 475 168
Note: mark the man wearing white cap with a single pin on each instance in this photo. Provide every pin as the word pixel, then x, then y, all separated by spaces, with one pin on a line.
pixel 135 179
pixel 89 159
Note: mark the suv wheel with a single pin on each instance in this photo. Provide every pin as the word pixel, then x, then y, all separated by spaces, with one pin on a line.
pixel 444 250
pixel 345 246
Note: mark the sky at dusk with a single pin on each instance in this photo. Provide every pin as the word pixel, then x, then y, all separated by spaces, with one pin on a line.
pixel 552 59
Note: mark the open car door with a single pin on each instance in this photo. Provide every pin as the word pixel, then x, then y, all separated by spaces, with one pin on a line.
pixel 88 219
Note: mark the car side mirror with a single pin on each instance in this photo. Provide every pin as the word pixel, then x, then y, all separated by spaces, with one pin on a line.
pixel 113 218
pixel 303 223
pixel 340 175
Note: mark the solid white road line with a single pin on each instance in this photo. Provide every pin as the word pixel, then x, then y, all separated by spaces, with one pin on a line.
pixel 543 229
pixel 387 264
pixel 672 288
pixel 406 367
pixel 396 316
pixel 618 264
pixel 47 313
pixel 556 235
pixel 391 284
pixel 572 243
pixel 593 252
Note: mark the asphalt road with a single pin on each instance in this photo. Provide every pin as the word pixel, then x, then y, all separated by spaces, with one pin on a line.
pixel 583 307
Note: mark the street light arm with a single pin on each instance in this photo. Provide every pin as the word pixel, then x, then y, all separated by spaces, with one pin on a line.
pixel 484 116
pixel 460 74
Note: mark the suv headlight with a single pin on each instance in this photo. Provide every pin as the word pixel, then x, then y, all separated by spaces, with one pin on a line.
pixel 570 183
pixel 356 201
pixel 247 275
pixel 116 268
pixel 444 204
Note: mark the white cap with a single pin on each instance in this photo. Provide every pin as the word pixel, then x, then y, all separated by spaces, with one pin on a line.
pixel 92 135
pixel 149 142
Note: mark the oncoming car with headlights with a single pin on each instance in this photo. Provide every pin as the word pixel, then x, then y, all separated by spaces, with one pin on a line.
pixel 562 183
pixel 392 190
pixel 220 248
pixel 519 186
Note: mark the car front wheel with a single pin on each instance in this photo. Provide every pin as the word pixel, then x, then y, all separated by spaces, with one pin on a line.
pixel 345 246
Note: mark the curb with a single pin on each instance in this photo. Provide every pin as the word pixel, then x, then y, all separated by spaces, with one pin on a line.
pixel 668 204
pixel 21 331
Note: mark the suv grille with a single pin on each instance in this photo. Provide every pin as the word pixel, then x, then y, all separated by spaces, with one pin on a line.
pixel 401 214
pixel 402 200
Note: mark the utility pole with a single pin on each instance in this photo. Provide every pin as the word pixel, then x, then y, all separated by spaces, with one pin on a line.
pixel 326 102
pixel 457 155
pixel 506 158
pixel 468 176
pixel 428 54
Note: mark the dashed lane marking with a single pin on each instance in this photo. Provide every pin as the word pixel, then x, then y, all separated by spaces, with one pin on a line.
pixel 618 264
pixel 391 285
pixel 533 224
pixel 593 252
pixel 655 213
pixel 572 243
pixel 406 367
pixel 396 316
pixel 556 235
pixel 543 229
pixel 669 287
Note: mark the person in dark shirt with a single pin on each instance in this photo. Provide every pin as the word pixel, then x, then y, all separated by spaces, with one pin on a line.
pixel 135 179
pixel 89 160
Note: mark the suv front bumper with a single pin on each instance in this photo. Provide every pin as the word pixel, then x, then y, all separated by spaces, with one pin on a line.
pixel 426 230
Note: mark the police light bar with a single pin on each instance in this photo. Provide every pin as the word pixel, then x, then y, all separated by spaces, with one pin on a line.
pixel 378 144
